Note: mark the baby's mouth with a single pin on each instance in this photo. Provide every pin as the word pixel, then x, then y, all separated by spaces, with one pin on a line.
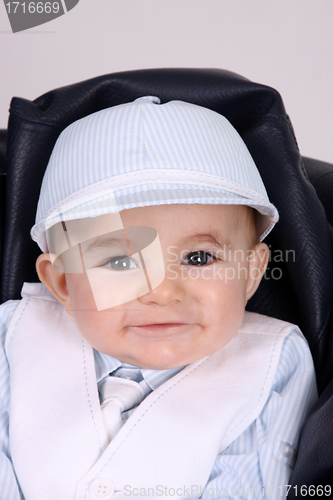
pixel 160 326
pixel 168 328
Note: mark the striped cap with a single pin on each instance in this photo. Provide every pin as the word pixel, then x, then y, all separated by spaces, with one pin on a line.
pixel 146 153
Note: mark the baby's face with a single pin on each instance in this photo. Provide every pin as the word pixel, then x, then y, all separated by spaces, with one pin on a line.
pixel 199 305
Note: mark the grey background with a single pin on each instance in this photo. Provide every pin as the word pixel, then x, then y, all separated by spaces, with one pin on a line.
pixel 287 44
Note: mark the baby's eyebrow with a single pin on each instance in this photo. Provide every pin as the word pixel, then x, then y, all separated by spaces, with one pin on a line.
pixel 210 237
pixel 106 241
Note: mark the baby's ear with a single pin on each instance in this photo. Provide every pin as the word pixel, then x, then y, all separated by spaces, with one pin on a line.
pixel 257 266
pixel 54 280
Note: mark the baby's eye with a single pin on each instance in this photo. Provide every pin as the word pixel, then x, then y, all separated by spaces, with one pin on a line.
pixel 121 263
pixel 198 258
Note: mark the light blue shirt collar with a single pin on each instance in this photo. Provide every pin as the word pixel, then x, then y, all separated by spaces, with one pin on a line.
pixel 106 364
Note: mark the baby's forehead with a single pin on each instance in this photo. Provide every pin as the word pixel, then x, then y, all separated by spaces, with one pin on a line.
pixel 138 227
pixel 189 217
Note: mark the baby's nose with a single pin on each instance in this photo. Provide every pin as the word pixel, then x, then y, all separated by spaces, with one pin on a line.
pixel 170 290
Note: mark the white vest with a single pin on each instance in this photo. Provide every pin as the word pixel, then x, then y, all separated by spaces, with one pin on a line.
pixel 57 439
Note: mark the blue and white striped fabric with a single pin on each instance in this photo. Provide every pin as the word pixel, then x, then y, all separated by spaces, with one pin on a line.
pixel 146 153
pixel 107 364
pixel 253 461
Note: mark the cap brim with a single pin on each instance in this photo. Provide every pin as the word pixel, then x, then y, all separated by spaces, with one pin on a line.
pixel 109 202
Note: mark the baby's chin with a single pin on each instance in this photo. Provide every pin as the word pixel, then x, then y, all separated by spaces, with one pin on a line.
pixel 153 364
pixel 154 361
pixel 164 360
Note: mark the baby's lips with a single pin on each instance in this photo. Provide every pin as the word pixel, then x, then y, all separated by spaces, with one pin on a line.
pixel 158 321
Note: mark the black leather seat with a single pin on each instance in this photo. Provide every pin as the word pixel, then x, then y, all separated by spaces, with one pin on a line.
pixel 3 170
pixel 298 283
pixel 321 176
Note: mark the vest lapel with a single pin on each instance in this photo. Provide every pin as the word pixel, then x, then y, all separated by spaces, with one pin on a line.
pixel 56 429
pixel 57 438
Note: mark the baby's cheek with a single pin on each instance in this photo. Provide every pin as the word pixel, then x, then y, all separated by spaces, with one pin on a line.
pixel 80 292
pixel 227 302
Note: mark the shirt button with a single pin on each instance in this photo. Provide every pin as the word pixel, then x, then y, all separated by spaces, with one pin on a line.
pixel 286 449
pixel 101 488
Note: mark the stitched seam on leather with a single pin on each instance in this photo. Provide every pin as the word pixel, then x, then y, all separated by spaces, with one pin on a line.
pixel 286 120
pixel 88 395
pixel 31 120
pixel 146 411
pixel 279 117
pixel 322 330
pixel 17 322
pixel 321 176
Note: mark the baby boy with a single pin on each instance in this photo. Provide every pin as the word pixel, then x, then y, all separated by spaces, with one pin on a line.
pixel 134 369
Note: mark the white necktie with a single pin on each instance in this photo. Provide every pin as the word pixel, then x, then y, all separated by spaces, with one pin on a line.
pixel 119 395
